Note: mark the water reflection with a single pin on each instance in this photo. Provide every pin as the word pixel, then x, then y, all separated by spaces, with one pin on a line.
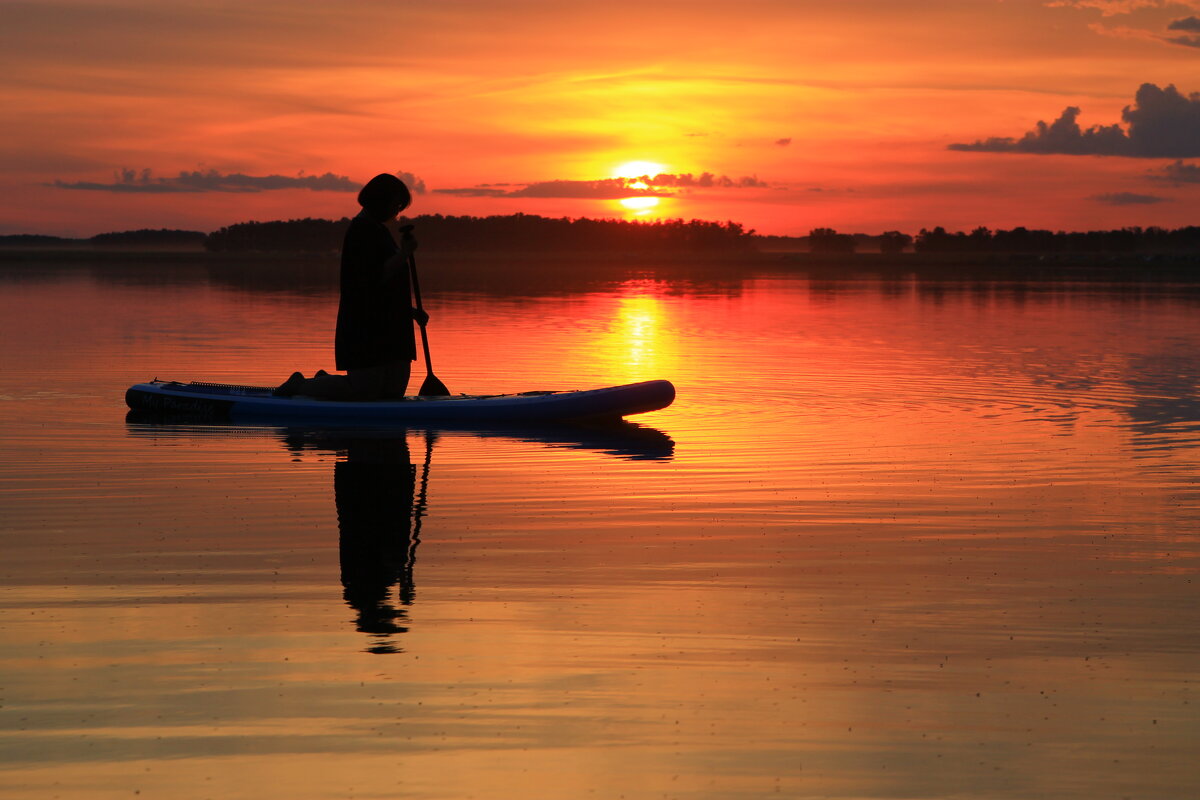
pixel 911 549
pixel 619 438
pixel 379 524
pixel 381 499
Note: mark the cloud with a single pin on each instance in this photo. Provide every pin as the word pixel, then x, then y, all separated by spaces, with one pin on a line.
pixel 1110 8
pixel 133 181
pixel 1061 136
pixel 783 142
pixel 1129 8
pixel 705 180
pixel 412 182
pixel 660 185
pixel 1127 32
pixel 473 191
pixel 1190 26
pixel 1180 172
pixel 1186 41
pixel 606 189
pixel 1162 123
pixel 1128 199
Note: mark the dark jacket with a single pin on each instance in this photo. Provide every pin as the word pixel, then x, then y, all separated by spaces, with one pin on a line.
pixel 374 322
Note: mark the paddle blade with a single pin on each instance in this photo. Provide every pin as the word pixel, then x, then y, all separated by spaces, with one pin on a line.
pixel 432 387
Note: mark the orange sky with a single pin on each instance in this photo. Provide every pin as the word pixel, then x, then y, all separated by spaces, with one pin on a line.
pixel 843 113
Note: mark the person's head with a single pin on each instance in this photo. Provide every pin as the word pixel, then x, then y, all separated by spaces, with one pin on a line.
pixel 384 196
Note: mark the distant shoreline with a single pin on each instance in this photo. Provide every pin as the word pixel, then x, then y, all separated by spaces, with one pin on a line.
pixel 1026 266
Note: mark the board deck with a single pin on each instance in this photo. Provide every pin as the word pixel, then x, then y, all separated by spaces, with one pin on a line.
pixel 231 401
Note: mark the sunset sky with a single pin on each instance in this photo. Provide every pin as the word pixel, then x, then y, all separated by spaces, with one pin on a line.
pixel 784 115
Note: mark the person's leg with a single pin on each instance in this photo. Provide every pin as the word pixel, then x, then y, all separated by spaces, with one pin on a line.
pixel 291 386
pixel 396 380
pixel 324 386
pixel 384 382
pixel 367 383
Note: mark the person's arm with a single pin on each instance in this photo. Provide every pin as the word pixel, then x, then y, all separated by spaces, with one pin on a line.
pixel 398 262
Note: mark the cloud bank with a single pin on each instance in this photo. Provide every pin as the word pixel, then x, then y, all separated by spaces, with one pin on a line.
pixel 1191 24
pixel 1186 41
pixel 705 180
pixel 661 185
pixel 1162 123
pixel 1128 199
pixel 1180 172
pixel 134 181
pixel 1110 8
pixel 144 181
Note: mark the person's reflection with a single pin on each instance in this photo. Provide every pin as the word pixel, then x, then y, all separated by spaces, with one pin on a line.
pixel 379 529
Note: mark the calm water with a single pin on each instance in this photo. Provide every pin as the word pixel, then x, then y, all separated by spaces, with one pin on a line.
pixel 894 540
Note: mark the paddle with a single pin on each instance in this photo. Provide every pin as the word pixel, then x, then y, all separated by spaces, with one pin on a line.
pixel 431 386
pixel 419 510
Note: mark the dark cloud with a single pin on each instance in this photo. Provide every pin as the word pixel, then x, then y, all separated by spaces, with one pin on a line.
pixel 1180 172
pixel 1128 199
pixel 607 189
pixel 613 188
pixel 1061 136
pixel 1162 123
pixel 705 180
pixel 412 182
pixel 1186 41
pixel 133 181
pixel 783 142
pixel 473 191
pixel 1191 24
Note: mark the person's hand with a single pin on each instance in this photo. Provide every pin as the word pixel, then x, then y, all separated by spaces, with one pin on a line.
pixel 420 316
pixel 408 244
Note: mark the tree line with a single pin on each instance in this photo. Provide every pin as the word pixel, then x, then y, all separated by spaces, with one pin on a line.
pixel 517 232
pixel 532 233
pixel 145 237
pixel 1017 240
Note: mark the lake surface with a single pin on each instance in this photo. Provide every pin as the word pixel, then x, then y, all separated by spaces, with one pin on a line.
pixel 895 539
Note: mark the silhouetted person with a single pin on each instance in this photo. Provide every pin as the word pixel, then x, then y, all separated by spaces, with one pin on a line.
pixel 373 490
pixel 374 343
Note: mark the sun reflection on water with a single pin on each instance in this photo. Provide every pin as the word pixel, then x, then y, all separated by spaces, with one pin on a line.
pixel 638 338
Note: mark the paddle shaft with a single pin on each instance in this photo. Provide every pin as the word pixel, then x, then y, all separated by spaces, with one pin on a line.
pixel 416 287
pixel 431 386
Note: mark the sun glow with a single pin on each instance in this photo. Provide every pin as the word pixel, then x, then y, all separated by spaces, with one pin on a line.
pixel 637 169
pixel 639 203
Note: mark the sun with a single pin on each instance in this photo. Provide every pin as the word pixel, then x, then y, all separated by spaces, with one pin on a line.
pixel 632 170
pixel 636 169
pixel 639 204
